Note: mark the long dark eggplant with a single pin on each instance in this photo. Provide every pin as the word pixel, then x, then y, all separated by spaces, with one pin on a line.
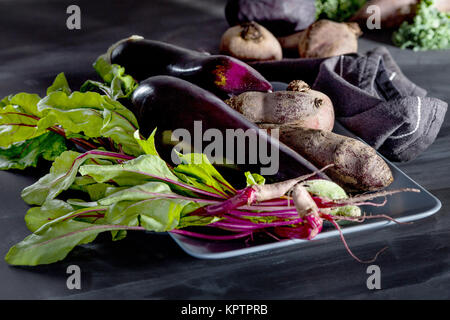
pixel 168 103
pixel 220 74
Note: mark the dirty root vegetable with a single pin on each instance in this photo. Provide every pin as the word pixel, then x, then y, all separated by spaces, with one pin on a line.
pixel 357 166
pixel 220 74
pixel 249 41
pixel 324 38
pixel 299 106
pixel 281 17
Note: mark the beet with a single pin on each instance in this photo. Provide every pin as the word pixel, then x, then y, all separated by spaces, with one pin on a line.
pixel 169 103
pixel 220 74
pixel 281 17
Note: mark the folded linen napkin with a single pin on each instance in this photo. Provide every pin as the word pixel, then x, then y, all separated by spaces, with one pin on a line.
pixel 371 97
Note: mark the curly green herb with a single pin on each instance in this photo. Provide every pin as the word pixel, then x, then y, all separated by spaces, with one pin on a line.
pixel 430 30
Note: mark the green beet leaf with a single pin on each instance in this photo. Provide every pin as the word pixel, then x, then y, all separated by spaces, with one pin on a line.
pixel 53 241
pixel 328 189
pixel 157 215
pixel 59 84
pixel 61 176
pixel 197 170
pixel 147 145
pixel 27 153
pixel 18 119
pixel 91 114
pixel 122 85
pixel 133 172
pixel 254 178
pixel 36 217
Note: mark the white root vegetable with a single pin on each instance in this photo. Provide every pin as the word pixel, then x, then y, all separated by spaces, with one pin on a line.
pixel 250 41
pixel 304 203
pixel 299 106
pixel 279 189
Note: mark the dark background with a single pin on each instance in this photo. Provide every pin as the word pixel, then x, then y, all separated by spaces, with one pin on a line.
pixel 35 46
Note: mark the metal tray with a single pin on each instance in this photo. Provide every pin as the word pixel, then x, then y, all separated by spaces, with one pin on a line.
pixel 403 207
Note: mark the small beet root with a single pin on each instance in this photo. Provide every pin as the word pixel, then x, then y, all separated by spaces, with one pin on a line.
pixel 250 41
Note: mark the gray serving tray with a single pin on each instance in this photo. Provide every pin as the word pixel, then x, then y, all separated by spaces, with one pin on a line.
pixel 404 207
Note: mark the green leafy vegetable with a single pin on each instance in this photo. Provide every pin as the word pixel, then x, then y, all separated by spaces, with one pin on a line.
pixel 197 170
pixel 254 178
pixel 58 225
pixel 29 125
pixel 116 84
pixel 59 84
pixel 18 119
pixel 36 217
pixel 62 175
pixel 329 190
pixel 430 29
pixel 337 10
pixel 124 193
pixel 136 171
pixel 53 241
pixel 27 153
pixel 147 145
pixel 93 115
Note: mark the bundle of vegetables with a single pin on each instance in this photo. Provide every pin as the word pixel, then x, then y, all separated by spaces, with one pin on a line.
pixel 430 29
pixel 123 184
pixel 32 127
pixel 122 193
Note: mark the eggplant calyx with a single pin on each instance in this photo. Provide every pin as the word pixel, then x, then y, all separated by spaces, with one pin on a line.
pixel 107 55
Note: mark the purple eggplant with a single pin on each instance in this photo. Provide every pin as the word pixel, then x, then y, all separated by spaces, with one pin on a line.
pixel 168 103
pixel 281 17
pixel 220 74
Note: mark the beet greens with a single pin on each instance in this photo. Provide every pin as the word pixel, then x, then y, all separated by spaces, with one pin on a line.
pixel 123 193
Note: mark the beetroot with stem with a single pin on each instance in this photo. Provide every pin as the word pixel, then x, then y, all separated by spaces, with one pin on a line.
pixel 303 221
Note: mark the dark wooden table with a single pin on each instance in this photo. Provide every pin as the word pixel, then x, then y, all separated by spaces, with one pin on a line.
pixel 35 45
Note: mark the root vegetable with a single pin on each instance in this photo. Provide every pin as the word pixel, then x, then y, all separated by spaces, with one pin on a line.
pixel 357 166
pixel 299 105
pixel 326 38
pixel 250 41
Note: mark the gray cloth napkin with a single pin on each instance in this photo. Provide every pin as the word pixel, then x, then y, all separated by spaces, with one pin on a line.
pixel 371 97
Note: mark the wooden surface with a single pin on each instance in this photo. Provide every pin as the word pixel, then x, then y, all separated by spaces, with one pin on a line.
pixel 35 45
